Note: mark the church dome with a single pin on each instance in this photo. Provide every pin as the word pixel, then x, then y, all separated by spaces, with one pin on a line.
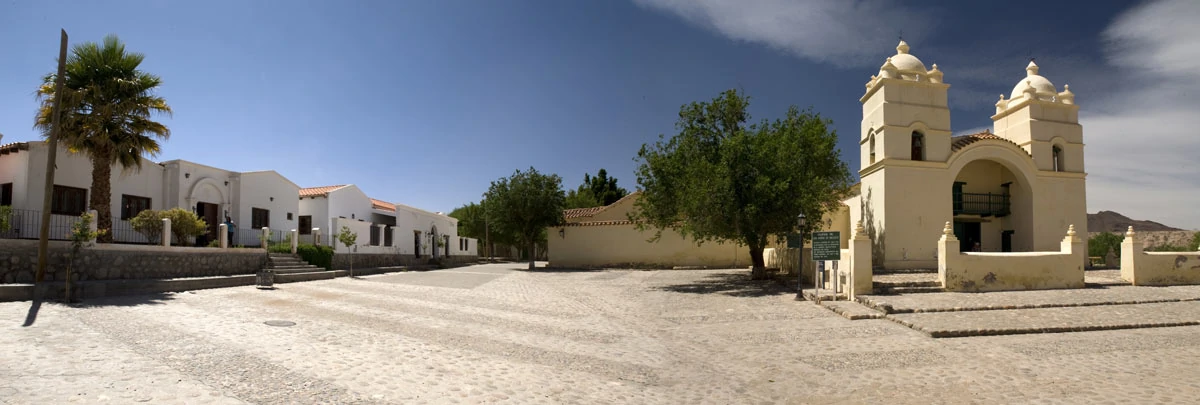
pixel 905 62
pixel 1042 87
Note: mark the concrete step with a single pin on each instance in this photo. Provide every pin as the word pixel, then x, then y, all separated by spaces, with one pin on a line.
pixel 852 310
pixel 287 263
pixel 305 276
pixel 907 283
pixel 273 254
pixel 904 271
pixel 1051 320
pixel 292 267
pixel 909 290
pixel 311 269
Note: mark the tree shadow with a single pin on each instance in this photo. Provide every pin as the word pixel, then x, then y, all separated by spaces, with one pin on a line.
pixel 731 284
pixel 55 297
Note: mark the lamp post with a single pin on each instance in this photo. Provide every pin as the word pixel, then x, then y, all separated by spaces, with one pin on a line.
pixel 800 257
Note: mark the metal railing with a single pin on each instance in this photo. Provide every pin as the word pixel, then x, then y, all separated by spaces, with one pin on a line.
pixel 122 232
pixel 984 204
pixel 25 224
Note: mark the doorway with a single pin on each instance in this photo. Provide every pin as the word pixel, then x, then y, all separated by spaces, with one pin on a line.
pixel 417 244
pixel 211 216
pixel 1006 241
pixel 968 234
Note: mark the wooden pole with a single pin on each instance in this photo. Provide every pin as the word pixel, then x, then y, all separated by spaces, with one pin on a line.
pixel 44 232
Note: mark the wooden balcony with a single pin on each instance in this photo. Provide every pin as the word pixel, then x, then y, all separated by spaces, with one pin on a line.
pixel 982 204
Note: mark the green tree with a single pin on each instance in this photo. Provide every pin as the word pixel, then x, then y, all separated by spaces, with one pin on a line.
pixel 348 238
pixel 1099 245
pixel 1195 242
pixel 596 191
pixel 472 221
pixel 5 218
pixel 523 205
pixel 81 237
pixel 107 110
pixel 184 224
pixel 721 180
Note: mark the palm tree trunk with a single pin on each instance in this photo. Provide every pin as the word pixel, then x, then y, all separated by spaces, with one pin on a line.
pixel 101 195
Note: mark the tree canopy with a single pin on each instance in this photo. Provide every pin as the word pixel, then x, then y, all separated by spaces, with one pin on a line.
pixel 108 106
pixel 596 191
pixel 720 179
pixel 523 205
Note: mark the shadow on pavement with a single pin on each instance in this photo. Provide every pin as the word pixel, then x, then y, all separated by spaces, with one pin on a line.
pixel 731 284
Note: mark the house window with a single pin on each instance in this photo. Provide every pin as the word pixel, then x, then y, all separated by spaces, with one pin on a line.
pixel 871 147
pixel 68 201
pixel 131 205
pixel 918 146
pixel 289 216
pixel 6 194
pixel 1058 159
pixel 260 218
pixel 305 225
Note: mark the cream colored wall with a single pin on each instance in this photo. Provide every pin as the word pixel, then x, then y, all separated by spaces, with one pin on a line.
pixel 618 211
pixel 979 272
pixel 1157 268
pixel 625 246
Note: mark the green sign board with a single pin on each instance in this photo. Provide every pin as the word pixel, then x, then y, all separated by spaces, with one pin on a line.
pixel 826 246
pixel 793 241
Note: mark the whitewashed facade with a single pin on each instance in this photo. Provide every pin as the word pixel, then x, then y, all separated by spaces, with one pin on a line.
pixel 210 192
pixel 381 227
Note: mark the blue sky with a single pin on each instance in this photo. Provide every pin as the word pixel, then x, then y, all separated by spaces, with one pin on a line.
pixel 425 103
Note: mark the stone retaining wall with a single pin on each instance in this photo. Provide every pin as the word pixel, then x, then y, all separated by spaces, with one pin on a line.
pixel 18 262
pixel 341 261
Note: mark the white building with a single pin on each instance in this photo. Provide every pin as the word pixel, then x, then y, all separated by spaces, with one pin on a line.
pixel 381 227
pixel 253 200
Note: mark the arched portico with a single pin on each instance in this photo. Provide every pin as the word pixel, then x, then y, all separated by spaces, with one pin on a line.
pixel 993 196
pixel 208 201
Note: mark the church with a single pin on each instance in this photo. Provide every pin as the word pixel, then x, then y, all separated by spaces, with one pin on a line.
pixel 1015 188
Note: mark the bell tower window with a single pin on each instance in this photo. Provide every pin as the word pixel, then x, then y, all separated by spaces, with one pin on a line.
pixel 1058 158
pixel 871 147
pixel 918 146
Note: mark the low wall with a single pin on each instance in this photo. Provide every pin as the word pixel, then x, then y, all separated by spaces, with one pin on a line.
pixel 18 262
pixel 1157 268
pixel 978 271
pixel 624 246
pixel 341 261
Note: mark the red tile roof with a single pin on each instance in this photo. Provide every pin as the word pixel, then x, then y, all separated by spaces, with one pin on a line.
pixel 383 205
pixel 319 191
pixel 13 147
pixel 962 141
pixel 600 223
pixel 581 212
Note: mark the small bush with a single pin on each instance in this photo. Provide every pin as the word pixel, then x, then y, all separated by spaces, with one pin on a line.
pixel 1169 248
pixel 6 218
pixel 320 256
pixel 215 243
pixel 184 224
pixel 280 247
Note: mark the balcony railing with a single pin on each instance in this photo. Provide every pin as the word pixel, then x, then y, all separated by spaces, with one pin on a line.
pixel 982 204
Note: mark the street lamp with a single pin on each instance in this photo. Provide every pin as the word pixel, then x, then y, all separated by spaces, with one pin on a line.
pixel 800 257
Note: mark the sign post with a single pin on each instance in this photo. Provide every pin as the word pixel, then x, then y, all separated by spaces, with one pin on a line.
pixel 825 246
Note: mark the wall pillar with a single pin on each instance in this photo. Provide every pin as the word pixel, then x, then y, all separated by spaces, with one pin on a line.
pixel 295 240
pixel 947 245
pixel 381 236
pixel 166 232
pixel 1131 248
pixel 92 226
pixel 316 234
pixel 861 274
pixel 266 235
pixel 223 236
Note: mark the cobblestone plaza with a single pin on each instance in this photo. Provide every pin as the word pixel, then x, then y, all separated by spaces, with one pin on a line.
pixel 496 334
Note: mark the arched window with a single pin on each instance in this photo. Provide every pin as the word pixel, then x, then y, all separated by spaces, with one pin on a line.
pixel 1058 158
pixel 918 146
pixel 871 147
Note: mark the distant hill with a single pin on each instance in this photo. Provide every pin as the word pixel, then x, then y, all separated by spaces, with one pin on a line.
pixel 1115 222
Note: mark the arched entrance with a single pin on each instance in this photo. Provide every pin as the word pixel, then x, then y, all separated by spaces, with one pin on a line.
pixel 992 202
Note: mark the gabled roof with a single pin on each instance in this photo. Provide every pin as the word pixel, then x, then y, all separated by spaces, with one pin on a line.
pixel 962 141
pixel 320 191
pixel 383 205
pixel 592 211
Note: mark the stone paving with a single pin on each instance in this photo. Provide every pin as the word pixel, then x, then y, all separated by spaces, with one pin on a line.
pixel 955 301
pixel 502 335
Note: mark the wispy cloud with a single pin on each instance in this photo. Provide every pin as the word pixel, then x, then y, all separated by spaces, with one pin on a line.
pixel 1141 141
pixel 841 32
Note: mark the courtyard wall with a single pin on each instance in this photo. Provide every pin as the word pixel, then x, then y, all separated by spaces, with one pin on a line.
pixel 18 262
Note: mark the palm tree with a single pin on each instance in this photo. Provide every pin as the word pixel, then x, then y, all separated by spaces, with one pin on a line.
pixel 106 114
